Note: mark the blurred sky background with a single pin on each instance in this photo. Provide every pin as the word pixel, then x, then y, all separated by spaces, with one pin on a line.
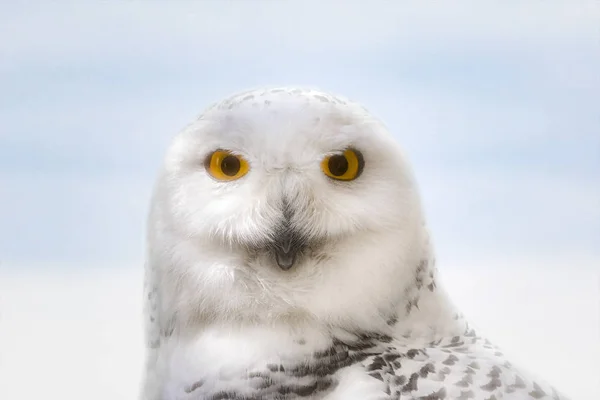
pixel 497 105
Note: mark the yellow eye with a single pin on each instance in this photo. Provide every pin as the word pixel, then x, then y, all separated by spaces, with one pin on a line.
pixel 344 167
pixel 226 166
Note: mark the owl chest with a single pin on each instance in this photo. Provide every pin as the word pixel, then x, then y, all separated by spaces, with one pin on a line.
pixel 251 367
pixel 270 378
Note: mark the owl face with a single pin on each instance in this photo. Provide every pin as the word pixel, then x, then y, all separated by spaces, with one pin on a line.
pixel 285 193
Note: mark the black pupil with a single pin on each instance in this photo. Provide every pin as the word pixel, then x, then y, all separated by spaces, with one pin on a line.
pixel 338 165
pixel 230 165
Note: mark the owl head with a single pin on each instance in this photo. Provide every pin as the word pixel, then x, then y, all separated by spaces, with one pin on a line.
pixel 285 204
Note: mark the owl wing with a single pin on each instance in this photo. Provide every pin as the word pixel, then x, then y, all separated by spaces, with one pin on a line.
pixel 466 369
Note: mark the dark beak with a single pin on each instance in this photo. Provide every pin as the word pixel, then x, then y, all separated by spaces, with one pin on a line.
pixel 286 247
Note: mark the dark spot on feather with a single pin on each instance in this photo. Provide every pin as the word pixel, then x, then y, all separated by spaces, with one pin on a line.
pixel 321 98
pixel 465 395
pixel 412 383
pixel 492 385
pixel 376 375
pixel 252 375
pixel 273 367
pixel 439 395
pixel 465 382
pixel 495 372
pixel 194 386
pixel 262 383
pixel 451 360
pixel 537 392
pixel 426 370
pixel 399 380
pixel 412 353
pixel 304 390
pixel 443 372
pixel 376 364
pixel 224 395
pixel 555 395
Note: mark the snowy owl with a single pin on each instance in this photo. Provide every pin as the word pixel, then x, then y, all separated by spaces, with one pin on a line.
pixel 288 258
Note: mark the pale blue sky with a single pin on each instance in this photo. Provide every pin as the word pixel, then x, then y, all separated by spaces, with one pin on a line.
pixel 498 108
